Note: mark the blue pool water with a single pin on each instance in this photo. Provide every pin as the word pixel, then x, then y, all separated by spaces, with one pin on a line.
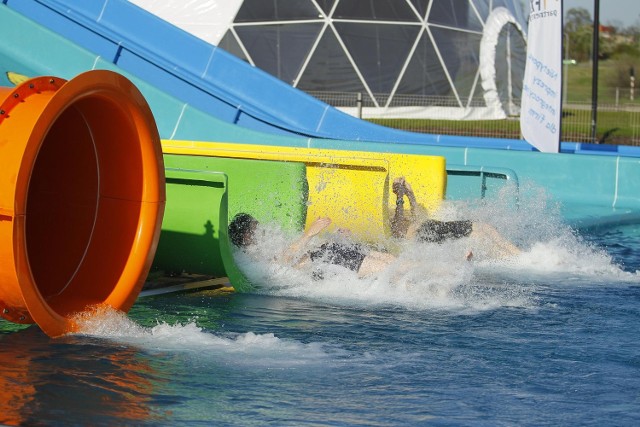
pixel 548 338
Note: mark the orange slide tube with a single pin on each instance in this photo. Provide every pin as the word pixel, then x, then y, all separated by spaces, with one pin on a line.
pixel 82 196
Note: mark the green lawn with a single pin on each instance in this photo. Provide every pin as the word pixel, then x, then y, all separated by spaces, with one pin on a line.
pixel 613 127
pixel 579 82
pixel 621 127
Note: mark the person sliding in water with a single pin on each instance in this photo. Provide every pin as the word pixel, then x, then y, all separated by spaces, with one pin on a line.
pixel 417 226
pixel 366 261
pixel 353 256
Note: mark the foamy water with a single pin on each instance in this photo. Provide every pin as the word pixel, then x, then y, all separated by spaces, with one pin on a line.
pixel 536 339
pixel 188 338
pixel 438 276
pixel 425 277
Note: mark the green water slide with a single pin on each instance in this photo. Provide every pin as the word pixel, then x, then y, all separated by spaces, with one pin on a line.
pixel 203 193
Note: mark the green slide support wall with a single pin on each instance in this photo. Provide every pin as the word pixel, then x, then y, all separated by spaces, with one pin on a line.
pixel 203 193
pixel 272 191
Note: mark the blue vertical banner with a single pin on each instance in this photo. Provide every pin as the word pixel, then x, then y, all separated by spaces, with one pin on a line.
pixel 541 110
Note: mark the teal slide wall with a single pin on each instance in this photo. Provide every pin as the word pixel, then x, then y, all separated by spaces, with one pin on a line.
pixel 594 189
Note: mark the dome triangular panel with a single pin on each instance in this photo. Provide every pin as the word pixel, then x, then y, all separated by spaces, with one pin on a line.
pixel 421 6
pixel 276 10
pixel 425 74
pixel 231 45
pixel 378 50
pixel 459 50
pixel 279 49
pixel 454 13
pixel 329 67
pixel 383 10
pixel 326 5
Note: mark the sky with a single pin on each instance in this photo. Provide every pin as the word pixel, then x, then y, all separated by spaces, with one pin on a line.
pixel 612 12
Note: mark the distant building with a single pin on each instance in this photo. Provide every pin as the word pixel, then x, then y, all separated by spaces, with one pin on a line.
pixel 407 58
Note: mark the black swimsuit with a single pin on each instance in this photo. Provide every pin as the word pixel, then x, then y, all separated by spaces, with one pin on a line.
pixel 439 231
pixel 349 256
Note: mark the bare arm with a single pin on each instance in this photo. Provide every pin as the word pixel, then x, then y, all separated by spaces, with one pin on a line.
pixel 397 222
pixel 412 199
pixel 501 245
pixel 400 223
pixel 294 249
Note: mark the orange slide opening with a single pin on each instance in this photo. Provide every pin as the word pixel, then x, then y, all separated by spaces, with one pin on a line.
pixel 82 195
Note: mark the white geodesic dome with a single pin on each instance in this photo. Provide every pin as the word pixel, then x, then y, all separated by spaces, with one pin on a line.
pixel 405 58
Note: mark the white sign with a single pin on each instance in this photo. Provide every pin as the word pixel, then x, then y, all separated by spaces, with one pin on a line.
pixel 542 87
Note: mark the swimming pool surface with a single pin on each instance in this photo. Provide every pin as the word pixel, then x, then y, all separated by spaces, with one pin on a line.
pixel 548 338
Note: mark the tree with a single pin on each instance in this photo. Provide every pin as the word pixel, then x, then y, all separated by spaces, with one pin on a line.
pixel 578 29
pixel 577 18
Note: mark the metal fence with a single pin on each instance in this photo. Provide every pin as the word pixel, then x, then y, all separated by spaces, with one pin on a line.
pixel 618 120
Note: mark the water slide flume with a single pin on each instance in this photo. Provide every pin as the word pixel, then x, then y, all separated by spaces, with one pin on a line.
pixel 82 197
pixel 208 183
pixel 352 187
pixel 595 187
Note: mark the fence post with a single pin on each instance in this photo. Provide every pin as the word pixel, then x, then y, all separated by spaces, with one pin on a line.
pixel 359 104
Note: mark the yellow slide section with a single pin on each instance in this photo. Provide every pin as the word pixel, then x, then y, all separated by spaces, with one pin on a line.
pixel 351 187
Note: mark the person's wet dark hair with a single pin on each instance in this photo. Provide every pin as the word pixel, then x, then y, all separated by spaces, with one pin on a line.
pixel 240 229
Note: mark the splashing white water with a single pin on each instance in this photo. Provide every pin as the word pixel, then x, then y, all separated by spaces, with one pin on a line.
pixel 439 276
pixel 239 349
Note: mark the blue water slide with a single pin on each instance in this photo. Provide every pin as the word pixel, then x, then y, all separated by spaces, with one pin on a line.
pixel 210 79
pixel 218 83
pixel 595 185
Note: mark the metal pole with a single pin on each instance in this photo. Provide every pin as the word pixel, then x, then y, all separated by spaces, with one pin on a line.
pixel 565 78
pixel 359 104
pixel 509 83
pixel 594 82
pixel 632 82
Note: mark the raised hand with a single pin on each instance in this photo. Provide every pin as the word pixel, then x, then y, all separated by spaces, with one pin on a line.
pixel 398 186
pixel 317 226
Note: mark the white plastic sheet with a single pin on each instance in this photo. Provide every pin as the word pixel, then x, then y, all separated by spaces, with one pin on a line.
pixel 206 19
